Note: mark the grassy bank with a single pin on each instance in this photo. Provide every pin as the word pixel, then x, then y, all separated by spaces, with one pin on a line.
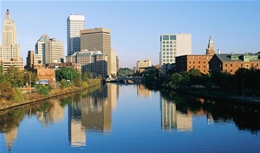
pixel 35 97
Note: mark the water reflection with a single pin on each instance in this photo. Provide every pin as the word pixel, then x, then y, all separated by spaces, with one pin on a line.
pixel 92 112
pixel 172 119
pixel 245 117
pixel 143 91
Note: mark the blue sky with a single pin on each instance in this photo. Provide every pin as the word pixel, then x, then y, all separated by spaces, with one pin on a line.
pixel 136 26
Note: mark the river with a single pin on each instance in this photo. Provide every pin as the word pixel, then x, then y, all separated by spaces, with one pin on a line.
pixel 130 118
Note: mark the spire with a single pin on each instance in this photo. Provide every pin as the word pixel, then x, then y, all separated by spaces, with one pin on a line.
pixel 7 15
pixel 210 45
pixel 210 50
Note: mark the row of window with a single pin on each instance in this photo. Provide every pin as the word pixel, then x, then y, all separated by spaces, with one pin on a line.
pixel 198 62
pixel 168 45
pixel 167 56
pixel 252 64
pixel 167 60
pixel 192 58
pixel 168 49
pixel 168 42
pixel 198 66
pixel 169 53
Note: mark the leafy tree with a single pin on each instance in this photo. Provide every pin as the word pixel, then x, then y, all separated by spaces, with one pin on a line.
pixel 30 77
pixel 18 95
pixel 15 76
pixel 43 89
pixel 6 90
pixel 66 73
pixel 86 75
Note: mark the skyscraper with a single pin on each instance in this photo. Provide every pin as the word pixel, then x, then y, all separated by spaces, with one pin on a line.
pixel 52 50
pixel 172 45
pixel 75 23
pixel 40 46
pixel 99 39
pixel 10 50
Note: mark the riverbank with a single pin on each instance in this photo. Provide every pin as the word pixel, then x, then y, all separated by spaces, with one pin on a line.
pixel 248 100
pixel 222 97
pixel 35 97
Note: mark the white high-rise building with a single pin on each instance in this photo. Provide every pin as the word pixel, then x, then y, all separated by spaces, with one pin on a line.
pixel 40 47
pixel 51 50
pixel 10 50
pixel 172 45
pixel 75 23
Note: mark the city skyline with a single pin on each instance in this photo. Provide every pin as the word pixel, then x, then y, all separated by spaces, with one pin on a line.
pixel 136 26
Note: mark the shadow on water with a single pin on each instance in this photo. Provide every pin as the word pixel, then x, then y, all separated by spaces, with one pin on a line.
pixel 245 117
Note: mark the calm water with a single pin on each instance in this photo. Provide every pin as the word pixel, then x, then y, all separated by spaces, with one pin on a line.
pixel 130 118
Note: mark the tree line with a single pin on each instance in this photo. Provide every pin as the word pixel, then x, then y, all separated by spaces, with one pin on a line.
pixel 243 82
pixel 14 79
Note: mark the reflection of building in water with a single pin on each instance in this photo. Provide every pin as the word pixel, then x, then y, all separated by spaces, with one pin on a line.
pixel 143 91
pixel 172 119
pixel 113 90
pixel 55 114
pixel 10 137
pixel 96 111
pixel 92 112
pixel 77 135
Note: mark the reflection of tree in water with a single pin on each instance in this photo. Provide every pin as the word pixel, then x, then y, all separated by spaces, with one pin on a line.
pixel 245 117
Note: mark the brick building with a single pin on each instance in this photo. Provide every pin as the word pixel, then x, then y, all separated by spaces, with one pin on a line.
pixel 232 62
pixel 200 62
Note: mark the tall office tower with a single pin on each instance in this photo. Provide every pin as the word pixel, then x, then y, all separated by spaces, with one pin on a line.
pixel 98 39
pixel 210 50
pixel 40 46
pixel 10 50
pixel 172 45
pixel 75 23
pixel 54 51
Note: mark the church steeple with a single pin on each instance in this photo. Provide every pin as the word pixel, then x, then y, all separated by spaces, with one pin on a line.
pixel 210 50
pixel 7 15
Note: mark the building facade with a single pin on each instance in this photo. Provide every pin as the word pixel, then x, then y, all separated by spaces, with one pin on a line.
pixel 141 65
pixel 172 45
pixel 51 49
pixel 75 23
pixel 200 62
pixel 54 51
pixel 94 61
pixel 99 39
pixel 40 46
pixel 230 63
pixel 10 50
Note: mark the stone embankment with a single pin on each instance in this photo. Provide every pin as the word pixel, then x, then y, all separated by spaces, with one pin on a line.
pixel 35 97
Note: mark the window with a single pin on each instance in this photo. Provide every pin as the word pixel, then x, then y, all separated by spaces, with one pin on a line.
pixel 172 37
pixel 165 37
pixel 230 64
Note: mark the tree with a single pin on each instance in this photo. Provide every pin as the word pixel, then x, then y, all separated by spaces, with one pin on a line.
pixel 67 73
pixel 6 90
pixel 15 76
pixel 86 75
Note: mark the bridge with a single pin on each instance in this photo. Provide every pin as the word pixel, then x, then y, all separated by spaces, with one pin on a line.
pixel 127 80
